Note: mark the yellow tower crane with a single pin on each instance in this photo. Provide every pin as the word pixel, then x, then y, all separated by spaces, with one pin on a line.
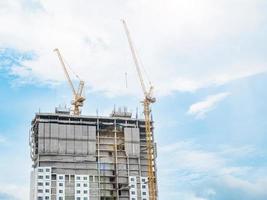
pixel 148 100
pixel 78 99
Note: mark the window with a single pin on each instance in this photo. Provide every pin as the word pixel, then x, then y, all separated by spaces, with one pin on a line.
pixel 78 178
pixel 144 193
pixel 60 198
pixel 40 198
pixel 54 177
pixel 85 191
pixel 47 177
pixel 60 184
pixel 96 179
pixel 133 192
pixel 78 191
pixel 144 186
pixel 40 184
pixel 40 177
pixel 85 198
pixel 132 186
pixel 47 183
pixel 78 185
pixel 78 198
pixel 47 170
pixel 47 190
pixel 85 185
pixel 132 179
pixel 60 177
pixel 46 198
pixel 60 191
pixel 40 170
pixel 40 191
pixel 133 198
pixel 85 178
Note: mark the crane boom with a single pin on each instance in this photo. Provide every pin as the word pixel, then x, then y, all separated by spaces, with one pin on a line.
pixel 148 100
pixel 80 88
pixel 65 70
pixel 134 57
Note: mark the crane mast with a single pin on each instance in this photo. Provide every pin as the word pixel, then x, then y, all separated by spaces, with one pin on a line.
pixel 78 99
pixel 148 100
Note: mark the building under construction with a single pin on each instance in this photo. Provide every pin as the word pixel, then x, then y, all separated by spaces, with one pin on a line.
pixel 89 157
pixel 77 157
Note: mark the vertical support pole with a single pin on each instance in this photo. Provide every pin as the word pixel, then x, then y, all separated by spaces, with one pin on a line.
pixel 155 163
pixel 116 159
pixel 128 164
pixel 98 158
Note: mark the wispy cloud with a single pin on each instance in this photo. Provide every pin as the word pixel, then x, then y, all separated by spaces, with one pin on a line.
pixel 192 164
pixel 95 45
pixel 256 186
pixel 200 109
pixel 3 140
pixel 187 195
pixel 14 192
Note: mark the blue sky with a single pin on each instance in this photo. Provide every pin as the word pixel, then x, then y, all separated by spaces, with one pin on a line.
pixel 206 59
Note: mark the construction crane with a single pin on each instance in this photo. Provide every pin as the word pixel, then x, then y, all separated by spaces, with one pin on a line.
pixel 148 100
pixel 78 99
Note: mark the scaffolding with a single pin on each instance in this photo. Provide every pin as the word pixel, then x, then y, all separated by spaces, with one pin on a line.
pixel 110 150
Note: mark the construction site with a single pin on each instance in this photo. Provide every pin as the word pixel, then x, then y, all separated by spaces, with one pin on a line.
pixel 80 157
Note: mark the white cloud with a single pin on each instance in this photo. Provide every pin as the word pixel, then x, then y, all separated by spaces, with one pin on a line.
pixel 3 140
pixel 91 38
pixel 200 109
pixel 16 192
pixel 210 192
pixel 246 150
pixel 187 195
pixel 186 163
pixel 253 187
pixel 191 157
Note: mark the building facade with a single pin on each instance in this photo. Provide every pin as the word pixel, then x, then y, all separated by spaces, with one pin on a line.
pixel 89 157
